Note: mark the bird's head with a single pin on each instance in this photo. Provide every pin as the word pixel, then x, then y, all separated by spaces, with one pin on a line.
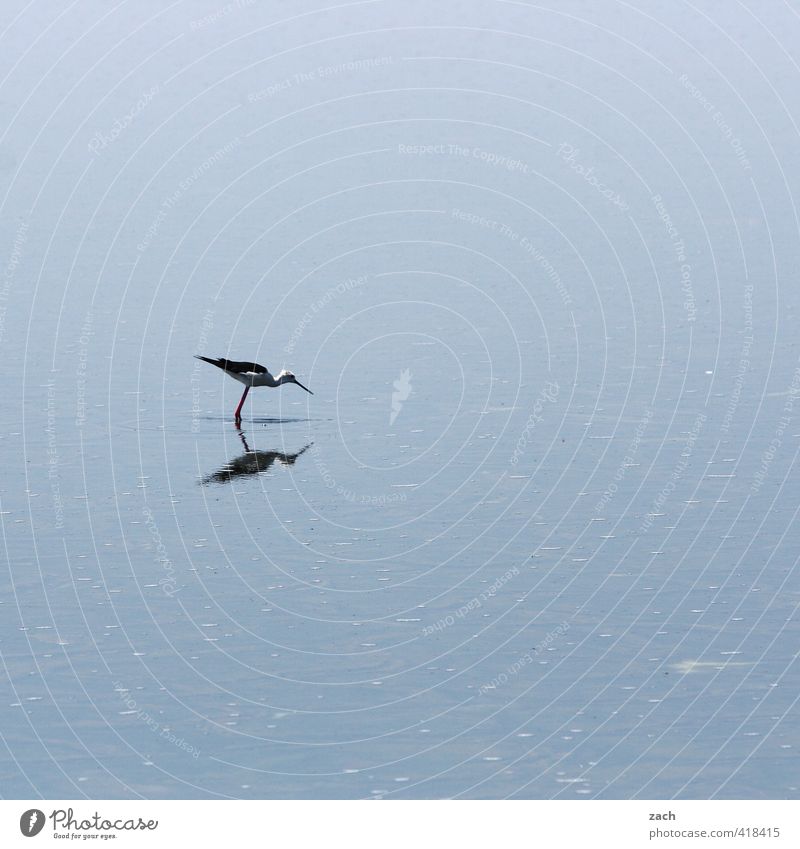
pixel 287 377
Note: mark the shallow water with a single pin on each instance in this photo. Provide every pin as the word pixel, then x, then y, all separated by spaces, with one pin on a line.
pixel 534 534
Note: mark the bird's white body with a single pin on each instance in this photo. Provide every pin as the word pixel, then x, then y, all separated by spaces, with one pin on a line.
pixel 250 378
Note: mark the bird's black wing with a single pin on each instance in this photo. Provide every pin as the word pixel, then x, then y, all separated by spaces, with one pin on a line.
pixel 242 368
pixel 232 366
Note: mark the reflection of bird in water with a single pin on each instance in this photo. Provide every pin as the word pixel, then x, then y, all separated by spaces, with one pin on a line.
pixel 252 463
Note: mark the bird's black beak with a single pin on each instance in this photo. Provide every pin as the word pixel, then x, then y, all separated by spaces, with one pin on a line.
pixel 303 387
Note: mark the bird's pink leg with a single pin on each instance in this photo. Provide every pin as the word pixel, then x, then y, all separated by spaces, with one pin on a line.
pixel 238 413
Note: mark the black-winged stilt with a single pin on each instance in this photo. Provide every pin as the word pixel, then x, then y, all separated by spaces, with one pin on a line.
pixel 251 374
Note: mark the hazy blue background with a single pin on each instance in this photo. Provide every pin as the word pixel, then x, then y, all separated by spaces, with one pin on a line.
pixel 564 238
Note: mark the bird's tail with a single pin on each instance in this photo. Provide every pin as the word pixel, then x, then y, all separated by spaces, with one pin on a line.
pixel 220 362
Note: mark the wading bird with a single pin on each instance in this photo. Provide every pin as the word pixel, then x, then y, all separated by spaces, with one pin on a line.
pixel 251 374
